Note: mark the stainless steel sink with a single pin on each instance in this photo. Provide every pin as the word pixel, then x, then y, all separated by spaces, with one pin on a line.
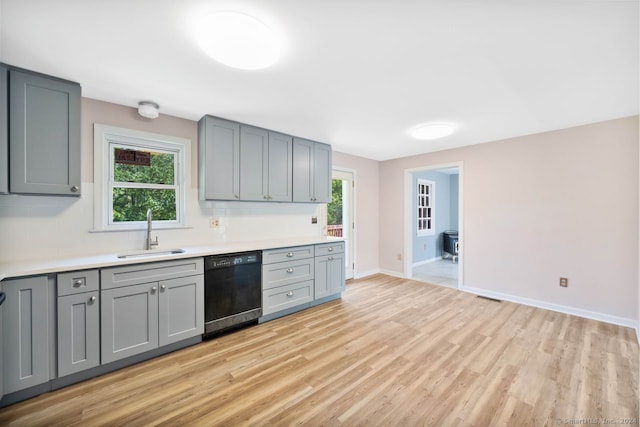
pixel 151 253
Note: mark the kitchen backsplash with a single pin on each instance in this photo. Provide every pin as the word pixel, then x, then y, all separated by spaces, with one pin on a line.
pixel 40 227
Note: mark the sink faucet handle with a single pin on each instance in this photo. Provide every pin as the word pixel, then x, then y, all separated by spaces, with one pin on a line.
pixel 154 242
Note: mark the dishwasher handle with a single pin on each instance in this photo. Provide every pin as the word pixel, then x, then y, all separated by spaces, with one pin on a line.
pixel 3 296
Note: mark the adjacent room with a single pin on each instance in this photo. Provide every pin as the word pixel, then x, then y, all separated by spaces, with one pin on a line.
pixel 245 213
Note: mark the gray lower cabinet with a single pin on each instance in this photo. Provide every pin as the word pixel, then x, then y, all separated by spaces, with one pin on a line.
pixel 129 321
pixel 287 278
pixel 25 332
pixel 1 350
pixel 329 268
pixel 181 309
pixel 78 321
pixel 218 159
pixel 145 306
pixel 44 134
pixel 312 165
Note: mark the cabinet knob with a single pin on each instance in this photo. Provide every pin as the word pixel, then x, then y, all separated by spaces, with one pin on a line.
pixel 289 270
pixel 92 299
pixel 77 283
pixel 265 197
pixel 153 289
pixel 236 196
pixel 330 249
pixel 289 254
pixel 163 287
pixel 330 258
pixel 290 293
pixel 75 189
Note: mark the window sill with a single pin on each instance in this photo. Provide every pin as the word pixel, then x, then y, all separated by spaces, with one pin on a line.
pixel 154 228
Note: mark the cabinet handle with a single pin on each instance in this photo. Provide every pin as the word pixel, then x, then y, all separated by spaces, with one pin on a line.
pixel 330 249
pixel 92 299
pixel 153 289
pixel 289 254
pixel 75 189
pixel 290 293
pixel 330 258
pixel 163 287
pixel 289 270
pixel 77 283
pixel 265 197
pixel 236 196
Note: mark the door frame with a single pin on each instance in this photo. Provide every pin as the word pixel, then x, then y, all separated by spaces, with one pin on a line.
pixel 408 216
pixel 351 243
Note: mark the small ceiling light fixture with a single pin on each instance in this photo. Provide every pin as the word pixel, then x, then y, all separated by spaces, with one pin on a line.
pixel 148 109
pixel 432 130
pixel 237 40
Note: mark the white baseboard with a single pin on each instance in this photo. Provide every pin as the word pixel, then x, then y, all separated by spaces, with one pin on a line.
pixel 360 275
pixel 607 318
pixel 426 261
pixel 393 273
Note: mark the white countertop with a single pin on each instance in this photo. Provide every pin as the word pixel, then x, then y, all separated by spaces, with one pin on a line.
pixel 30 268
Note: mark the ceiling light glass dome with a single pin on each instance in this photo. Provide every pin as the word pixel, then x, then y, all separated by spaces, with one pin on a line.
pixel 432 130
pixel 237 40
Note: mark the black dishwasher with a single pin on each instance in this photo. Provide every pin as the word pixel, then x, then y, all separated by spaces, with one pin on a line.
pixel 232 291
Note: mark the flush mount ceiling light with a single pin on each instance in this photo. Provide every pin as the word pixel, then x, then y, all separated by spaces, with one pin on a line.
pixel 237 40
pixel 148 109
pixel 432 130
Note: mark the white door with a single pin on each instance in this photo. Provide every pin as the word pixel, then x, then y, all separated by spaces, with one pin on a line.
pixel 340 214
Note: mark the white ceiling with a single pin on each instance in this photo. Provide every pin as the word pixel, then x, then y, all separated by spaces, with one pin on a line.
pixel 357 74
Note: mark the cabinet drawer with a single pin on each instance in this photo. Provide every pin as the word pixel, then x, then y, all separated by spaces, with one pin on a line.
pixel 287 254
pixel 283 297
pixel 115 277
pixel 330 248
pixel 76 282
pixel 284 273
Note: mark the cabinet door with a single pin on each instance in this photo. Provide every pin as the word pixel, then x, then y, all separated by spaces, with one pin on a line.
pixel 4 132
pixel 44 135
pixel 254 144
pixel 302 170
pixel 329 275
pixel 25 324
pixel 1 365
pixel 181 309
pixel 218 159
pixel 129 321
pixel 336 273
pixel 280 160
pixel 322 173
pixel 322 277
pixel 78 332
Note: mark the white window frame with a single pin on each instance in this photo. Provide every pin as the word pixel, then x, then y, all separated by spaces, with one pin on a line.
pixel 425 201
pixel 105 138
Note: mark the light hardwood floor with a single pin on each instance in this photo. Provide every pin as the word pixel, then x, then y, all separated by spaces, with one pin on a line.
pixel 392 352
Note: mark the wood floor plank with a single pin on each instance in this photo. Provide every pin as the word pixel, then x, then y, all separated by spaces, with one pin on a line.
pixel 390 352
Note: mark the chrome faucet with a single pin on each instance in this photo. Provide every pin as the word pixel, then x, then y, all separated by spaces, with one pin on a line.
pixel 150 243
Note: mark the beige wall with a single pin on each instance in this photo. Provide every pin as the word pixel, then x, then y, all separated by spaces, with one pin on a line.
pixel 41 227
pixel 562 203
pixel 366 213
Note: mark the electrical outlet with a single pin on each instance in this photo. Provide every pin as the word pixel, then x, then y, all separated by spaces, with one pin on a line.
pixel 564 282
pixel 214 223
pixel 314 220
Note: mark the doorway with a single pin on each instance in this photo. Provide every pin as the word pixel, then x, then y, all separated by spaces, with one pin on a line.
pixel 433 224
pixel 340 214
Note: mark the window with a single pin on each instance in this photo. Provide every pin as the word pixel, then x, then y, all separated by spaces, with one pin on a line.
pixel 425 211
pixel 136 171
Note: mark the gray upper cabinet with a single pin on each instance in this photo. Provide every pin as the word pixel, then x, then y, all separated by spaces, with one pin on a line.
pixel 4 131
pixel 44 134
pixel 25 323
pixel 265 165
pixel 254 149
pixel 243 162
pixel 311 171
pixel 280 172
pixel 218 159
